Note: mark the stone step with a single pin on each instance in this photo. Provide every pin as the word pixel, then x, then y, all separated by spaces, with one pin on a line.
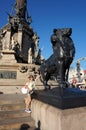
pixel 26 127
pixel 21 127
pixel 10 89
pixel 11 98
pixel 16 123
pixel 12 113
pixel 13 107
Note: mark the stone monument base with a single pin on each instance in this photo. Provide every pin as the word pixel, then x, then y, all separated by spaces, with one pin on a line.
pixel 7 56
pixel 48 117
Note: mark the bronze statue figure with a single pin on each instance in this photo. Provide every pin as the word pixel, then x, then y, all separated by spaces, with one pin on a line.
pixel 58 63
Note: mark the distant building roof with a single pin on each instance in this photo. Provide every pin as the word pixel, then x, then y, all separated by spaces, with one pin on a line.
pixel 84 71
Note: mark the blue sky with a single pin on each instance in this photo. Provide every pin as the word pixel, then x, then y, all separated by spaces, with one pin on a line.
pixel 50 14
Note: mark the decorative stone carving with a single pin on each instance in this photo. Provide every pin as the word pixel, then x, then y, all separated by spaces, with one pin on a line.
pixel 23 69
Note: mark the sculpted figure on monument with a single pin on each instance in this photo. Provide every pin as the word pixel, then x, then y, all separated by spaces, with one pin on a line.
pixel 20 7
pixel 58 63
pixel 17 50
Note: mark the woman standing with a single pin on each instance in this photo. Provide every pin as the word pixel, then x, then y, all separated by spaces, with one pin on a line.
pixel 30 85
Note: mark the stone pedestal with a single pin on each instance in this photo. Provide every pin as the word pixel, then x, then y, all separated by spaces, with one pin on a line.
pixel 60 109
pixel 63 98
pixel 52 118
pixel 7 56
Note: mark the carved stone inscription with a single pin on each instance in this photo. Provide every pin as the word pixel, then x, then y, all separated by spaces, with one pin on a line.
pixel 8 74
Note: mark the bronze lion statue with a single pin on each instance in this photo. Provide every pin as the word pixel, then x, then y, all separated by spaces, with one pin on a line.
pixel 58 63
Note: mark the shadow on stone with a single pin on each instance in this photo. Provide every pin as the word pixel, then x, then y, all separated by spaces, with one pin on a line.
pixel 24 127
pixel 39 124
pixel 1 93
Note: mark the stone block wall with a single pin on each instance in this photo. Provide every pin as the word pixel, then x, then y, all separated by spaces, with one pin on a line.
pixel 52 118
